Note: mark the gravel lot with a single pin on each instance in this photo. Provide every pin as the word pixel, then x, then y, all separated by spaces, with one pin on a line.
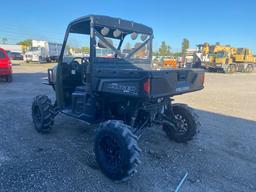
pixel 221 158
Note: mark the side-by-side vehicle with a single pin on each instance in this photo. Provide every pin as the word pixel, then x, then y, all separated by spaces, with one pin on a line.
pixel 115 86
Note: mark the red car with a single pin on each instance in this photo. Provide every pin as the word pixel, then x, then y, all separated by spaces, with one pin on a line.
pixel 5 66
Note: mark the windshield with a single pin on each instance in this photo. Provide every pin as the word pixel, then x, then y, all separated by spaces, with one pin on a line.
pixel 222 54
pixel 33 48
pixel 133 47
pixel 77 46
pixel 109 45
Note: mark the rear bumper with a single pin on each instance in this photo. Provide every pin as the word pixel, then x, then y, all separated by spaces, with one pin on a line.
pixel 5 71
pixel 31 58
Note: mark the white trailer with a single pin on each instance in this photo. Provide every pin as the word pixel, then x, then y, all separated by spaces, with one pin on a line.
pixel 12 48
pixel 43 51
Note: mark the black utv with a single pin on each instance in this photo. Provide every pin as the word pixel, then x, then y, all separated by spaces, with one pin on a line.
pixel 114 85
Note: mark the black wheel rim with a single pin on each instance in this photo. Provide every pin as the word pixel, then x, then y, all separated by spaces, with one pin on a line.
pixel 183 125
pixel 111 151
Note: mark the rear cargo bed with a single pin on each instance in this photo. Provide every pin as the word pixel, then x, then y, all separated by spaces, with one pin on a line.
pixel 161 83
pixel 176 82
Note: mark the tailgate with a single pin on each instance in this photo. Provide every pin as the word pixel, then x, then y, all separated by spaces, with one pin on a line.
pixel 176 82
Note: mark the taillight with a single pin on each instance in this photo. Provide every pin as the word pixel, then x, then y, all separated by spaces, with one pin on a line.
pixel 147 86
pixel 9 63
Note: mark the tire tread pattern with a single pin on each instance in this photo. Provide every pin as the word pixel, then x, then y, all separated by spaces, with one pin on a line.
pixel 131 142
pixel 194 119
pixel 44 103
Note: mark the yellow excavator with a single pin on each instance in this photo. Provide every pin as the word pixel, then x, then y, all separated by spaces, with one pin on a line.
pixel 228 59
pixel 211 51
pixel 236 60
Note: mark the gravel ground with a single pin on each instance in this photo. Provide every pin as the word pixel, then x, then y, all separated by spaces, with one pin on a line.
pixel 221 158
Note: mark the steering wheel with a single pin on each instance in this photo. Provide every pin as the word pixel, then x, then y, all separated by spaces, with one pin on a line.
pixel 75 64
pixel 81 68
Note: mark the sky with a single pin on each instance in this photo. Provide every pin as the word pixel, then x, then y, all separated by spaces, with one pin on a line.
pixel 230 22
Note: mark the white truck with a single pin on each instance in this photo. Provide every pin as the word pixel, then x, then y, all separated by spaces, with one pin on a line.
pixel 43 51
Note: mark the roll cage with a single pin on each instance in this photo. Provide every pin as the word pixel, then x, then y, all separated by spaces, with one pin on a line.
pixel 92 24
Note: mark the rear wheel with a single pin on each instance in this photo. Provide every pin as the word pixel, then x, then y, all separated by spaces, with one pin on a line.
pixel 230 69
pixel 116 150
pixel 234 69
pixel 48 60
pixel 249 69
pixel 42 114
pixel 187 123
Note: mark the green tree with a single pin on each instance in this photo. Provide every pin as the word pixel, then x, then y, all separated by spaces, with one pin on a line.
pixel 164 50
pixel 177 54
pixel 25 43
pixel 85 49
pixel 185 45
pixel 155 53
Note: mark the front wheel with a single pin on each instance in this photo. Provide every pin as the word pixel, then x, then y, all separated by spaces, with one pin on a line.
pixel 187 123
pixel 116 150
pixel 43 114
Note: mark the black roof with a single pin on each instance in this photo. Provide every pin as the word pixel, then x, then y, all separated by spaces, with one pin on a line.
pixel 82 24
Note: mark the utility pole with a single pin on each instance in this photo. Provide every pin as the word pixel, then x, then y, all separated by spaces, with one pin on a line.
pixel 4 40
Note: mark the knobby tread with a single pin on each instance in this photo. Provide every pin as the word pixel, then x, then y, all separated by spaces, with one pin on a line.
pixel 131 143
pixel 192 112
pixel 131 140
pixel 47 110
pixel 194 128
